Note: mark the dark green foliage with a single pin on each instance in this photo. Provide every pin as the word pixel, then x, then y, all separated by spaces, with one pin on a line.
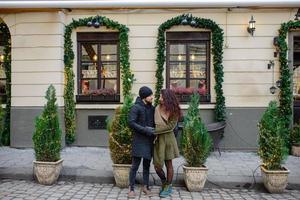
pixel 217 52
pixel 196 143
pixel 120 135
pixel 5 133
pixel 47 135
pixel 286 94
pixel 272 149
pixel 126 74
pixel 1 119
pixel 295 135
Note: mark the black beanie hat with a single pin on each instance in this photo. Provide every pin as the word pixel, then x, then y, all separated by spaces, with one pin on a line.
pixel 145 92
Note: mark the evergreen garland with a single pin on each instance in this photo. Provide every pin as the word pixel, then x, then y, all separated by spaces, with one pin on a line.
pixel 286 94
pixel 5 135
pixel 217 52
pixel 126 75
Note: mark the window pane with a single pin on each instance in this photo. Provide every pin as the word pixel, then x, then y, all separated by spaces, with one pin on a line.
pixel 296 51
pixel 89 70
pixel 199 85
pixel 109 70
pixel 87 86
pixel 197 52
pixel 197 70
pixel 2 71
pixel 2 87
pixel 89 52
pixel 177 52
pixel 108 52
pixel 109 84
pixel 177 83
pixel 177 70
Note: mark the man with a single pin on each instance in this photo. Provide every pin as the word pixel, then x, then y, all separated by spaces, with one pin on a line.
pixel 141 120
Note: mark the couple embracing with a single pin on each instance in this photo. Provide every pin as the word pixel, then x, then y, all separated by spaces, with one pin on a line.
pixel 153 136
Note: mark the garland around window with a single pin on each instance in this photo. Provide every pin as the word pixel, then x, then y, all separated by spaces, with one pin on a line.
pixel 286 94
pixel 217 52
pixel 126 74
pixel 5 135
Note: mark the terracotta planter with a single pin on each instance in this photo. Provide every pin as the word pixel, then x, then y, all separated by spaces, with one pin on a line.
pixel 274 180
pixel 195 177
pixel 47 173
pixel 121 174
pixel 296 150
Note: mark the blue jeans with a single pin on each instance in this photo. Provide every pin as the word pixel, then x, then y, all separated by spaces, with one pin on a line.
pixel 134 168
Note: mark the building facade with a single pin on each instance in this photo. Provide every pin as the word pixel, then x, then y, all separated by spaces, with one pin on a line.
pixel 37 60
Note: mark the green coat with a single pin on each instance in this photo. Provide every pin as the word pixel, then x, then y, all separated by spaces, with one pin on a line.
pixel 165 146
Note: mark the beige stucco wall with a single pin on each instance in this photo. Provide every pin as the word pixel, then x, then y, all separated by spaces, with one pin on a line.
pixel 37 50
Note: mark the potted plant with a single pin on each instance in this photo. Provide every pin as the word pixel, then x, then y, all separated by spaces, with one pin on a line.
pixel 47 142
pixel 295 138
pixel 196 144
pixel 120 138
pixel 272 150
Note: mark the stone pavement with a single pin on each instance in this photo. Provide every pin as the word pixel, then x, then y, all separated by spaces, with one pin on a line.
pixel 93 165
pixel 28 190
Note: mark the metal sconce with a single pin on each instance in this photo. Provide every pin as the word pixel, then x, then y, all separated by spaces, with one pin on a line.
pixel 251 27
pixel 297 15
pixel 278 83
pixel 96 22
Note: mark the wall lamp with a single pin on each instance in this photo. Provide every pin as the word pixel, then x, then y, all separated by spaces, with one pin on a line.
pixel 251 27
pixel 96 22
pixel 297 15
pixel 273 88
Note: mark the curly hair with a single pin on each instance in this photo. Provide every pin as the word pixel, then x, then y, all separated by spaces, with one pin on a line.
pixel 170 103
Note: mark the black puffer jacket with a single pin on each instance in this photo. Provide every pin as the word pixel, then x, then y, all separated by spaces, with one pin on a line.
pixel 140 118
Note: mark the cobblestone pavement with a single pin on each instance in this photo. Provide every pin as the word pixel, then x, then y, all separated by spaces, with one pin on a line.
pixel 91 164
pixel 17 190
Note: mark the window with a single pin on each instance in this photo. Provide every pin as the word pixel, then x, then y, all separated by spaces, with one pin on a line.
pixel 98 67
pixel 2 72
pixel 188 64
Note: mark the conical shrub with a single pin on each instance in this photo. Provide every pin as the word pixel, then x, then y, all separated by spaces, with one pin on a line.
pixel 47 134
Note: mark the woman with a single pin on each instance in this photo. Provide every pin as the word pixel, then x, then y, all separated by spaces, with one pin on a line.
pixel 166 117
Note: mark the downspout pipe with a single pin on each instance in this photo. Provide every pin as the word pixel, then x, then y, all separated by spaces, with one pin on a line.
pixel 92 4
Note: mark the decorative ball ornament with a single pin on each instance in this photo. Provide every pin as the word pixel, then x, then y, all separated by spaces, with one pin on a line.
pixel 97 24
pixel 193 23
pixel 184 21
pixel 89 24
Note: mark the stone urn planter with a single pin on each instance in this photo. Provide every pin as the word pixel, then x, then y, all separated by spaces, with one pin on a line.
pixel 121 174
pixel 195 177
pixel 296 150
pixel 47 173
pixel 275 181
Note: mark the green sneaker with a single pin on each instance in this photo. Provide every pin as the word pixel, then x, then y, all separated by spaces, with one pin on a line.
pixel 170 189
pixel 165 192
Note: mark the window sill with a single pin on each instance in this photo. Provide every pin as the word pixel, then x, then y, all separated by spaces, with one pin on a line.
pixel 99 99
pixel 207 106
pixel 97 106
pixel 114 106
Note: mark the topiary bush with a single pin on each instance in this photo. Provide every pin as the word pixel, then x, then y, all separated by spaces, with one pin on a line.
pixel 295 135
pixel 47 134
pixel 272 149
pixel 120 135
pixel 196 143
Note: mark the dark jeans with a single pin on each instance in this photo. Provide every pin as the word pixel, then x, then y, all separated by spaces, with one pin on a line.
pixel 134 168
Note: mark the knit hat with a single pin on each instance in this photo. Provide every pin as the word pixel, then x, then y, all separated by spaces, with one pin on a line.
pixel 145 92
